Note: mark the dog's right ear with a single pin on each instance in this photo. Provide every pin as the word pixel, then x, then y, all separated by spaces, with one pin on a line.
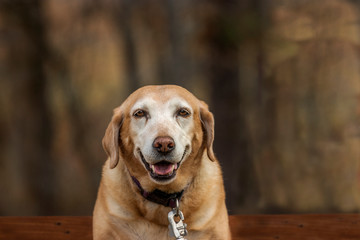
pixel 112 136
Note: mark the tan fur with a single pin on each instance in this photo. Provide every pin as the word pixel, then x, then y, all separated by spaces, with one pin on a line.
pixel 122 213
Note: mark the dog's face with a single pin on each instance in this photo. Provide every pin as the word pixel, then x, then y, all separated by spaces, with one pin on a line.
pixel 161 129
pixel 160 132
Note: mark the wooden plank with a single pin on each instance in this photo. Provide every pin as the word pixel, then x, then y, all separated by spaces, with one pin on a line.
pixel 296 227
pixel 244 227
pixel 45 228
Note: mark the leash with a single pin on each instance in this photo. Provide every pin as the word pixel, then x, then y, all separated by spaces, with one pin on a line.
pixel 177 229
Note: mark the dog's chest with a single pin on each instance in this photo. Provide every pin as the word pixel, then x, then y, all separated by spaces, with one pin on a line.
pixel 145 230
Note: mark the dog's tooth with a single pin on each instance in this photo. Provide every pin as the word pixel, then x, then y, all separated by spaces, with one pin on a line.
pixel 152 167
pixel 175 166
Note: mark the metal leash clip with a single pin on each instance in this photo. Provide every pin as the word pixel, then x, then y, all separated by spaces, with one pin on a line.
pixel 177 229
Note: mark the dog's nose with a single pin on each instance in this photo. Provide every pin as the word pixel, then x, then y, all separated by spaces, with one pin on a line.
pixel 164 144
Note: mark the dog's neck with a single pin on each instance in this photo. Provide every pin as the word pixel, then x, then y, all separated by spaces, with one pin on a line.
pixel 158 196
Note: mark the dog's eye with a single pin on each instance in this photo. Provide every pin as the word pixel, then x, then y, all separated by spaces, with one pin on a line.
pixel 183 112
pixel 139 113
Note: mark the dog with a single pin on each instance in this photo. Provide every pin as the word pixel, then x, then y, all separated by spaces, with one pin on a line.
pixel 160 159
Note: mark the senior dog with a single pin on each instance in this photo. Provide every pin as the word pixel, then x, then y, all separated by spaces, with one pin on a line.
pixel 160 160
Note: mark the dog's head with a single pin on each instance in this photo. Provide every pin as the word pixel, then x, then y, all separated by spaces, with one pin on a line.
pixel 161 133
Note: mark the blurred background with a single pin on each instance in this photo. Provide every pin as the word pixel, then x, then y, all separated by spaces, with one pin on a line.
pixel 281 76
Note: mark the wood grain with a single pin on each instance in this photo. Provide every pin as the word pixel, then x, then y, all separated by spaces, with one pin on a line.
pixel 244 227
pixel 296 227
pixel 45 228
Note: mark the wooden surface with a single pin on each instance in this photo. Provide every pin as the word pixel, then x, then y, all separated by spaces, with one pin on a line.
pixel 296 227
pixel 45 228
pixel 244 227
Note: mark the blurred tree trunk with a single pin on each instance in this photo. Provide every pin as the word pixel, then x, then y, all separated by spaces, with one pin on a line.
pixel 29 154
pixel 231 146
pixel 306 136
pixel 122 14
pixel 74 149
pixel 153 38
pixel 145 27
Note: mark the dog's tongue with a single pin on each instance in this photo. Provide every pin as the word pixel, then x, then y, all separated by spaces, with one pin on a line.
pixel 163 168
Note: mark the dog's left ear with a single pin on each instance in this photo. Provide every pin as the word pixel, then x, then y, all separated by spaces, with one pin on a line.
pixel 111 139
pixel 208 124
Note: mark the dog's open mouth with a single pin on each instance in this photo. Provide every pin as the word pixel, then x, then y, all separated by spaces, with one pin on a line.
pixel 163 170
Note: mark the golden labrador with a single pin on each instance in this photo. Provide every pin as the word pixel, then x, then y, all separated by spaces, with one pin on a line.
pixel 161 167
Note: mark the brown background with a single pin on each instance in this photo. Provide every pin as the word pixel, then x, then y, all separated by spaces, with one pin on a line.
pixel 281 76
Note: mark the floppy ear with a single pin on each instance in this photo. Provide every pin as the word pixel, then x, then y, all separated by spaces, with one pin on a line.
pixel 111 139
pixel 207 122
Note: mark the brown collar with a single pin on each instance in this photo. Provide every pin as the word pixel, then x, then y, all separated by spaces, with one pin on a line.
pixel 158 196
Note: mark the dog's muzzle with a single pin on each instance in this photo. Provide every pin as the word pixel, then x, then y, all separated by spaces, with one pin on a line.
pixel 163 170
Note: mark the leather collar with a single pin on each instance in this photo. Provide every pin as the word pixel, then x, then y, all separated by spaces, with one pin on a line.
pixel 158 196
